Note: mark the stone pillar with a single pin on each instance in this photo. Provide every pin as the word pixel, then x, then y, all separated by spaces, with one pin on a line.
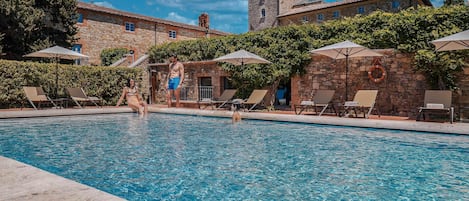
pixel 295 96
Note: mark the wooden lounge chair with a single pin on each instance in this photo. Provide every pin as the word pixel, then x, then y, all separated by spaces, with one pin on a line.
pixel 79 96
pixel 219 102
pixel 37 95
pixel 256 97
pixel 322 99
pixel 437 101
pixel 363 102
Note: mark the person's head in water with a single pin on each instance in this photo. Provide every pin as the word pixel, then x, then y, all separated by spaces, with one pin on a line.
pixel 234 107
pixel 236 116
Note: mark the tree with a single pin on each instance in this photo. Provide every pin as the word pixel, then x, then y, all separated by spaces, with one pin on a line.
pixel 111 55
pixel 31 25
pixel 453 2
pixel 1 44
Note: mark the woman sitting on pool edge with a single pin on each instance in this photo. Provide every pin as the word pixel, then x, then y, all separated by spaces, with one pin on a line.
pixel 134 100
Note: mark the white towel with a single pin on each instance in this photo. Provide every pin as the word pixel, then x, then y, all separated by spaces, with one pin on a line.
pixel 350 103
pixel 435 106
pixel 307 103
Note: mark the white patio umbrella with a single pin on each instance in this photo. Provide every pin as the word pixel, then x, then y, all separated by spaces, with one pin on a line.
pixel 457 41
pixel 344 50
pixel 58 53
pixel 242 57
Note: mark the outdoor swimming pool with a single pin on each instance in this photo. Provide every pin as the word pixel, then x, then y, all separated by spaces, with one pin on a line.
pixel 178 157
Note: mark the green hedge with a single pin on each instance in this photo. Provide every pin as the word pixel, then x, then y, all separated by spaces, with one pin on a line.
pixel 111 55
pixel 104 82
pixel 288 47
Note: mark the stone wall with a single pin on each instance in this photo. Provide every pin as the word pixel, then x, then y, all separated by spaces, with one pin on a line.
pixel 101 30
pixel 348 10
pixel 193 71
pixel 256 21
pixel 400 93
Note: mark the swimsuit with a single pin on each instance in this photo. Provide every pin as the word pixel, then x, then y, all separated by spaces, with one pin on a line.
pixel 173 83
pixel 174 75
pixel 132 92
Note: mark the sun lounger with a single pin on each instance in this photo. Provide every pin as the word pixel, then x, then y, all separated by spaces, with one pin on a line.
pixel 256 97
pixel 221 101
pixel 37 95
pixel 363 102
pixel 79 96
pixel 437 101
pixel 321 100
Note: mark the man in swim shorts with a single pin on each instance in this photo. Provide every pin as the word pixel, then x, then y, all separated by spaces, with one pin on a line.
pixel 175 80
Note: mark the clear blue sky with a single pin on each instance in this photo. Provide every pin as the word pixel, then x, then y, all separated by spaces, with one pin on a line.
pixel 225 15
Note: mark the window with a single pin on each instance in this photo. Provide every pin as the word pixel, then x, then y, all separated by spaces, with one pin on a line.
pixel 80 18
pixel 305 19
pixel 336 14
pixel 320 17
pixel 227 84
pixel 261 2
pixel 361 10
pixel 172 34
pixel 205 81
pixel 77 48
pixel 129 26
pixel 263 13
pixel 395 4
pixel 205 87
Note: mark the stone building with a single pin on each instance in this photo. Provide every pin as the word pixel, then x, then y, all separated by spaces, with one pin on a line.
pixel 202 79
pixel 101 28
pixel 265 14
pixel 400 92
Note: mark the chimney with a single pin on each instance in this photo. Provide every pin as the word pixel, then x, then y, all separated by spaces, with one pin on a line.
pixel 204 21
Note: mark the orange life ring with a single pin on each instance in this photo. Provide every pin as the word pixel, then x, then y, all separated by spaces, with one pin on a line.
pixel 379 79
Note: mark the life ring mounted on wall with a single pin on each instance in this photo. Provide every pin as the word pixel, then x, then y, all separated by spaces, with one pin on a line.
pixel 377 67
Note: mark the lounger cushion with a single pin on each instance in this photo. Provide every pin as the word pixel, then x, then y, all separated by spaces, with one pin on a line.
pixel 306 103
pixel 435 106
pixel 351 103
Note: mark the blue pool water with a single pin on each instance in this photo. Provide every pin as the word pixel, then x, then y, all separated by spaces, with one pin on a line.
pixel 177 157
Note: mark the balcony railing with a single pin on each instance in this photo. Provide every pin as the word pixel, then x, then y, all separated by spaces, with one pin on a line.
pixel 205 92
pixel 191 93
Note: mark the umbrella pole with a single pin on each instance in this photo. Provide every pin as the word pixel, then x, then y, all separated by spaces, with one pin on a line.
pixel 346 77
pixel 57 78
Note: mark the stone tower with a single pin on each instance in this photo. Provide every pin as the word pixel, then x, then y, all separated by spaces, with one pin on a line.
pixel 204 21
pixel 262 14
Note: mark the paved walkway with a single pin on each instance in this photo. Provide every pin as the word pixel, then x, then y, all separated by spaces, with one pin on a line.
pixel 19 181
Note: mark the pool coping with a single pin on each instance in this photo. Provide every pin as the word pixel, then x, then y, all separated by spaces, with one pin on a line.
pixel 20 181
pixel 410 125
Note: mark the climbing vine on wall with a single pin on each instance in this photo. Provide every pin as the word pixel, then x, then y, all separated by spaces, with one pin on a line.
pixel 288 47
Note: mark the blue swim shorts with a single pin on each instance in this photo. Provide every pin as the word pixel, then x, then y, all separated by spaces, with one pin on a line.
pixel 173 83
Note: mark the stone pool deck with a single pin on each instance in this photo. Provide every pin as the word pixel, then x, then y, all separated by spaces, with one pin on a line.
pixel 19 181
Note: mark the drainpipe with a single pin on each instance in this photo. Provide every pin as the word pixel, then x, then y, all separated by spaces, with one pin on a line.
pixel 156 35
